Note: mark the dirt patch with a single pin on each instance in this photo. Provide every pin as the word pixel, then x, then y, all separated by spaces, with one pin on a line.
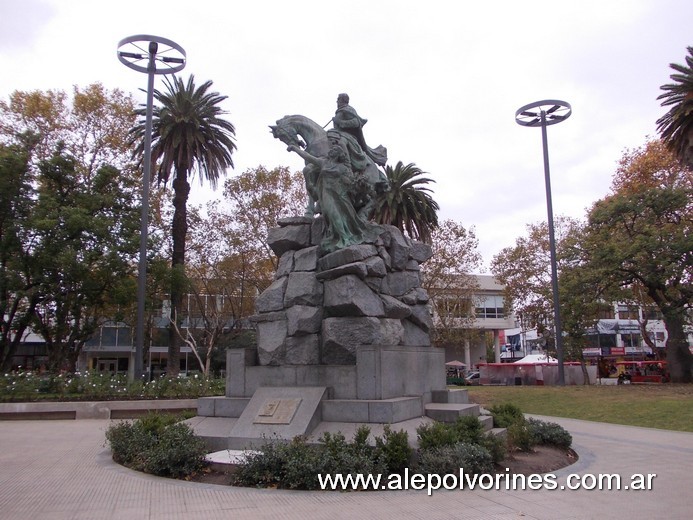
pixel 543 459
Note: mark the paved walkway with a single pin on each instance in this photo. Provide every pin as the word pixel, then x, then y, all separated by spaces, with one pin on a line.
pixel 61 470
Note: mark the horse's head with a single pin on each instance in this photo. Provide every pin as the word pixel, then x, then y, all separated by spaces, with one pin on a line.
pixel 286 133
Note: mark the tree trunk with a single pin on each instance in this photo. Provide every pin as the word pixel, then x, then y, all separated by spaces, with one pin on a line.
pixel 179 230
pixel 585 373
pixel 679 357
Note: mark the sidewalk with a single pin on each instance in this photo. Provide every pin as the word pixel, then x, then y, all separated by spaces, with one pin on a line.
pixel 62 470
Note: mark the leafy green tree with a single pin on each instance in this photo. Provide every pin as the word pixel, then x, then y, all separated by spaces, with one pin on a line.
pixel 188 136
pixel 85 236
pixel 639 246
pixel 408 203
pixel 18 297
pixel 90 127
pixel 676 126
pixel 645 238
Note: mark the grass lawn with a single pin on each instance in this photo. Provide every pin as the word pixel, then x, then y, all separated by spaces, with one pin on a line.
pixel 669 407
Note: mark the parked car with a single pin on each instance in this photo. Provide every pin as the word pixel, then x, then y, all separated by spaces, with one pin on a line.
pixel 472 378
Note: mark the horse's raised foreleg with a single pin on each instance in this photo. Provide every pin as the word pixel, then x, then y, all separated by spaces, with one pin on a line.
pixel 310 175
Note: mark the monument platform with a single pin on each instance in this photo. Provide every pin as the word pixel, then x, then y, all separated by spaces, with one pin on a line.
pixel 387 385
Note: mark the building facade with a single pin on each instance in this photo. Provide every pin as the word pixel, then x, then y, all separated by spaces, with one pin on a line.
pixel 483 316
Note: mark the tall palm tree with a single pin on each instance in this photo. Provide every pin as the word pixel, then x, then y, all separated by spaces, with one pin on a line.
pixel 188 137
pixel 676 126
pixel 408 204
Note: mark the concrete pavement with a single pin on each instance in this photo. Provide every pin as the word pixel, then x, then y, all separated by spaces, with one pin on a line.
pixel 62 470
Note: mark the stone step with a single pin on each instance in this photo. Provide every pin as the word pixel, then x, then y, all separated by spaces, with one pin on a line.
pixel 453 396
pixel 499 432
pixel 487 422
pixel 449 412
pixel 371 410
pixel 220 406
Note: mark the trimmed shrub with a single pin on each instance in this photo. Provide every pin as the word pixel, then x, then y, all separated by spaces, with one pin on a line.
pixel 465 429
pixel 297 464
pixel 549 433
pixel 176 453
pixel 393 450
pixel 496 445
pixel 506 414
pixel 520 436
pixel 261 468
pixel 157 444
pixel 449 459
pixel 436 435
pixel 129 444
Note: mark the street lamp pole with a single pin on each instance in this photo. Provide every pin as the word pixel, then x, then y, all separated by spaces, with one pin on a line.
pixel 131 56
pixel 545 113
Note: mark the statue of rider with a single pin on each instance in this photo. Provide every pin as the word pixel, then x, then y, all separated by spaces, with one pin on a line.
pixel 349 124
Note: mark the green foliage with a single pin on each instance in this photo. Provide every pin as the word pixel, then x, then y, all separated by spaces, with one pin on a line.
pixel 435 435
pixel 496 445
pixel 449 459
pixel 506 414
pixel 643 239
pixel 408 204
pixel 676 125
pixel 520 436
pixel 443 448
pixel 84 386
pixel 523 434
pixel 177 453
pixel 549 433
pixel 467 429
pixel 157 444
pixel 297 464
pixel 394 450
pixel 17 301
pixel 340 456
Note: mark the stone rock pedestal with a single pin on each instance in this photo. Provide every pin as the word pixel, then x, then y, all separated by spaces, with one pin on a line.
pixel 343 338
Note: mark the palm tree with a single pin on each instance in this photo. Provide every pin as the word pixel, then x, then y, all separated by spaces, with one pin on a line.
pixel 188 136
pixel 408 204
pixel 676 126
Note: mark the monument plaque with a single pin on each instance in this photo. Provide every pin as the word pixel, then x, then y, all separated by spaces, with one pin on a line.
pixel 277 411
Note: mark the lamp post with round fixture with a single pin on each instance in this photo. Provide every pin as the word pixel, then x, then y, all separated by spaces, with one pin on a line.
pixel 543 114
pixel 153 55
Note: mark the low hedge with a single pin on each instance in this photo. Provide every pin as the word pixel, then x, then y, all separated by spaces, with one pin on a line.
pixel 158 444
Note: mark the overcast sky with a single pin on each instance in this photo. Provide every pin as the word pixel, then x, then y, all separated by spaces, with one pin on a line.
pixel 439 82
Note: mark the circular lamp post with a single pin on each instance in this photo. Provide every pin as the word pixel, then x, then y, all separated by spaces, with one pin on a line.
pixel 543 114
pixel 153 55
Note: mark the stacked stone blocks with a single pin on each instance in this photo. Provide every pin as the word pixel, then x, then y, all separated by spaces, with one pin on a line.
pixel 320 309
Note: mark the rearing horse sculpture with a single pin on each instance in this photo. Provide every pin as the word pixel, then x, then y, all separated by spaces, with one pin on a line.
pixel 305 133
